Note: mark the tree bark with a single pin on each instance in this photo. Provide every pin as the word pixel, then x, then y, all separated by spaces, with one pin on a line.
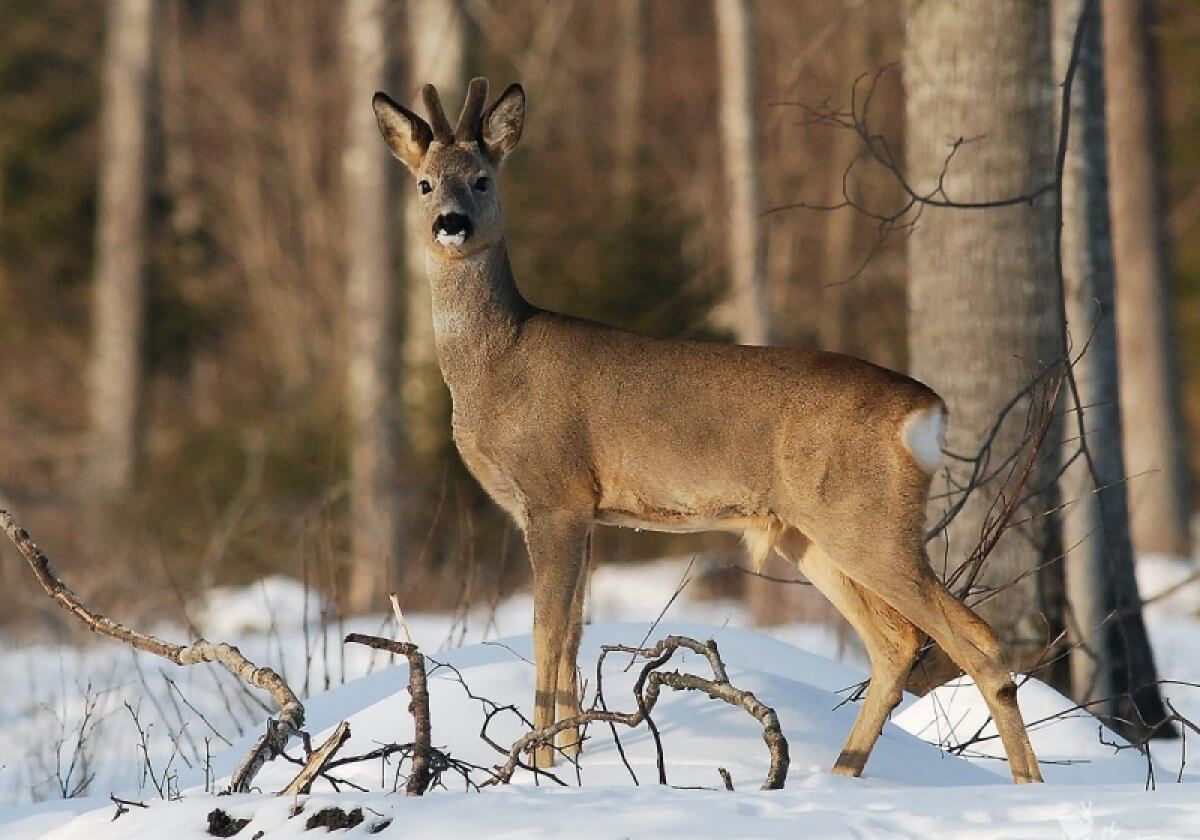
pixel 118 291
pixel 437 32
pixel 371 308
pixel 1110 657
pixel 747 306
pixel 1155 447
pixel 984 319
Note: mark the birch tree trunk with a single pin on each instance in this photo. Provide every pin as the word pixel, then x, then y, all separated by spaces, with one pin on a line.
pixel 118 293
pixel 372 379
pixel 984 318
pixel 747 306
pixel 1111 657
pixel 437 33
pixel 1155 447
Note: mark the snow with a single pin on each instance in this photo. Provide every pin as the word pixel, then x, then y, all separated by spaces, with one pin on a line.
pixel 1071 745
pixel 820 806
pixel 912 786
pixel 271 603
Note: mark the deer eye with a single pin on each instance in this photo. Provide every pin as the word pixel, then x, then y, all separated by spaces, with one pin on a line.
pixel 481 184
pixel 426 187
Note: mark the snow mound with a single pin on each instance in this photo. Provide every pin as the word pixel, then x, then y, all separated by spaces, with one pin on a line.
pixel 1072 746
pixel 699 734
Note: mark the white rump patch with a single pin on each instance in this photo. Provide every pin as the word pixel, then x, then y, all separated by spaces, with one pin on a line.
pixel 923 434
pixel 444 238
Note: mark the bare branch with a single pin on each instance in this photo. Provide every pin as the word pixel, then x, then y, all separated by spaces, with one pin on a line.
pixel 418 690
pixel 317 761
pixel 646 692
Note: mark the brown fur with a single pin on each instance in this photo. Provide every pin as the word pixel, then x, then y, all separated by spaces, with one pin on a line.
pixel 568 423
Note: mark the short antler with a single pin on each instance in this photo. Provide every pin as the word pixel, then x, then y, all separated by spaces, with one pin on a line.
pixel 470 121
pixel 437 117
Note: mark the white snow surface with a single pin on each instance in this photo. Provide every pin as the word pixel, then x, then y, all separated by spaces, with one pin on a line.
pixel 912 786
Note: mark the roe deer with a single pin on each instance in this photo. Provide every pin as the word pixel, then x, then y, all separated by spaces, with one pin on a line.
pixel 820 457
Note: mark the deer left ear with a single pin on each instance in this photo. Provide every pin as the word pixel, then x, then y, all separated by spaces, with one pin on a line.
pixel 407 135
pixel 503 123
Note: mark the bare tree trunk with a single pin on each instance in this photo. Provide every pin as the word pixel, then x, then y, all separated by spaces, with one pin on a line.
pixel 748 311
pixel 437 32
pixel 628 89
pixel 984 318
pixel 1087 285
pixel 1155 447
pixel 1111 657
pixel 118 295
pixel 371 307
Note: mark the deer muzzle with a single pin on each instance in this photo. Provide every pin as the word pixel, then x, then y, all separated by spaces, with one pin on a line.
pixel 452 229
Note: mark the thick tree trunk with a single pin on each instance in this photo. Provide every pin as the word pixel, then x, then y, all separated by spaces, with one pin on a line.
pixel 1112 657
pixel 118 294
pixel 747 307
pixel 1155 446
pixel 984 318
pixel 437 32
pixel 371 311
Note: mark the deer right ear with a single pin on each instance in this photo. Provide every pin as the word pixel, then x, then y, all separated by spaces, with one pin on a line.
pixel 407 135
pixel 503 123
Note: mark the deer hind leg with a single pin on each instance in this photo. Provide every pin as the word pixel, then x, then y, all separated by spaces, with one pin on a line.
pixel 555 542
pixel 570 740
pixel 891 641
pixel 898 571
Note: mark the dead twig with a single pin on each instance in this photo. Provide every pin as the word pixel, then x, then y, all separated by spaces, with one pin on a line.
pixel 646 692
pixel 317 761
pixel 418 690
pixel 123 805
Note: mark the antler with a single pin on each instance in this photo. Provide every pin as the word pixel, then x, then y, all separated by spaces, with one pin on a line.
pixel 470 121
pixel 437 117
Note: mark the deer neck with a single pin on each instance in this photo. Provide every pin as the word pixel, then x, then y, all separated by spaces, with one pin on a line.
pixel 477 312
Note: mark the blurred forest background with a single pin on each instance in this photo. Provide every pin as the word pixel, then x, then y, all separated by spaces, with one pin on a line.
pixel 189 236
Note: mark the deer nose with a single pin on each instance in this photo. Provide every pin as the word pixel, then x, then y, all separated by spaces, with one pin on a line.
pixel 451 228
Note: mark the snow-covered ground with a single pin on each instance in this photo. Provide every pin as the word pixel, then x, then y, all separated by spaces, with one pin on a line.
pixel 197 722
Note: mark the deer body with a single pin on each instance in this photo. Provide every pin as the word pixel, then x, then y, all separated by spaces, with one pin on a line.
pixel 566 423
pixel 725 437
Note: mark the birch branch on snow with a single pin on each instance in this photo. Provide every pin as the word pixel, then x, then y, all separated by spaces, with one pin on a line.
pixel 279 731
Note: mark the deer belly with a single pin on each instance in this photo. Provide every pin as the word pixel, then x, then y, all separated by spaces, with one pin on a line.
pixel 674 515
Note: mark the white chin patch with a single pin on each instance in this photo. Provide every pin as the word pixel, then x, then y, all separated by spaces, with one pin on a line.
pixel 444 238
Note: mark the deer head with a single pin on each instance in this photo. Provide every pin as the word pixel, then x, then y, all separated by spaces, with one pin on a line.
pixel 455 169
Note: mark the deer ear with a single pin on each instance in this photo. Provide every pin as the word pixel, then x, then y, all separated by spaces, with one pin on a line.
pixel 407 135
pixel 503 122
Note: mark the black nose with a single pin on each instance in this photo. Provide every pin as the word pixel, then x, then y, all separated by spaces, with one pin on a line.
pixel 452 224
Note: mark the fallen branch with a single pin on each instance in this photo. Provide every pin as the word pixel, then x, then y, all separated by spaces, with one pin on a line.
pixel 418 689
pixel 646 692
pixel 317 762
pixel 291 711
